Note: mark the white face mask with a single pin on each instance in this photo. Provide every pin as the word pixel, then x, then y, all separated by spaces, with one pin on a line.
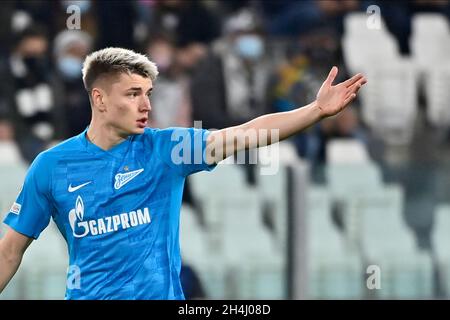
pixel 249 46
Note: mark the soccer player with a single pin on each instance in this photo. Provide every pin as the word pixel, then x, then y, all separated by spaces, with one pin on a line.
pixel 115 190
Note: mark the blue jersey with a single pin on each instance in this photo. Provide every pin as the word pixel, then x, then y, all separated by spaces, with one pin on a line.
pixel 118 210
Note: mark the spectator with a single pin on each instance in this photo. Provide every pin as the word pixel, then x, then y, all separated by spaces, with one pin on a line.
pixel 70 49
pixel 27 93
pixel 230 85
pixel 296 82
pixel 172 95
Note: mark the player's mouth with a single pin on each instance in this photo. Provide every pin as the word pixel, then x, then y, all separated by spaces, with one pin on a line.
pixel 142 122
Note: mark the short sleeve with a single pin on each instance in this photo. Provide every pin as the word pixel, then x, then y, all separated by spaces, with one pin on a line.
pixel 30 213
pixel 183 149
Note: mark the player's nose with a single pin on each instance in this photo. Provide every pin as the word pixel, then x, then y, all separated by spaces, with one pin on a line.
pixel 145 106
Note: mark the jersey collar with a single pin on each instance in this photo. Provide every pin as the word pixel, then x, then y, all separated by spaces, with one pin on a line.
pixel 116 151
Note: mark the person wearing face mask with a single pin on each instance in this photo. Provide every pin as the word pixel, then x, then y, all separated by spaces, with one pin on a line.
pixel 27 91
pixel 70 67
pixel 249 46
pixel 70 49
pixel 230 85
pixel 36 66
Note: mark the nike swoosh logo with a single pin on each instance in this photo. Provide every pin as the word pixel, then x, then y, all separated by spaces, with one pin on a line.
pixel 72 189
pixel 123 178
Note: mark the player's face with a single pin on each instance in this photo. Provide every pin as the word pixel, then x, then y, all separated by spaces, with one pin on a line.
pixel 128 103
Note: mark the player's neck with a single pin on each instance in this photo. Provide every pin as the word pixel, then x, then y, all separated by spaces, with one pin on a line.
pixel 104 137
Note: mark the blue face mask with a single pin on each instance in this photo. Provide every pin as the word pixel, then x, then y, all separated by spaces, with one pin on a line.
pixel 249 46
pixel 70 67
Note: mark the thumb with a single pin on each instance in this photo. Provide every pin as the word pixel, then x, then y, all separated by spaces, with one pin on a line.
pixel 331 76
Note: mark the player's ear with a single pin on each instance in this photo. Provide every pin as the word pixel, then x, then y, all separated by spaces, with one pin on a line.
pixel 97 96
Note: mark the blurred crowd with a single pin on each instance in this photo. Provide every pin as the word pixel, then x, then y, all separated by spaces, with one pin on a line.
pixel 220 62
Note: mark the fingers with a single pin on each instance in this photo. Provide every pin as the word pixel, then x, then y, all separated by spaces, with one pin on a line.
pixel 349 99
pixel 357 85
pixel 353 90
pixel 332 75
pixel 353 80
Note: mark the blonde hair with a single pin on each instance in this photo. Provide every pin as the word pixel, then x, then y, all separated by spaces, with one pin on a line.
pixel 113 61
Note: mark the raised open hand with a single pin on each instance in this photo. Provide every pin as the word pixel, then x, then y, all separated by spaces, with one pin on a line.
pixel 331 99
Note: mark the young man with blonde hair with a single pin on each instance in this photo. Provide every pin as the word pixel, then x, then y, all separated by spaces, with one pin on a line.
pixel 115 190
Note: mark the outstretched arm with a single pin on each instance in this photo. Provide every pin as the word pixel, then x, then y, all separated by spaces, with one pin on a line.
pixel 12 248
pixel 271 128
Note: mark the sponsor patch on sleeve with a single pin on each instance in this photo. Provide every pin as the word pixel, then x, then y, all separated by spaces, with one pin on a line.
pixel 15 208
